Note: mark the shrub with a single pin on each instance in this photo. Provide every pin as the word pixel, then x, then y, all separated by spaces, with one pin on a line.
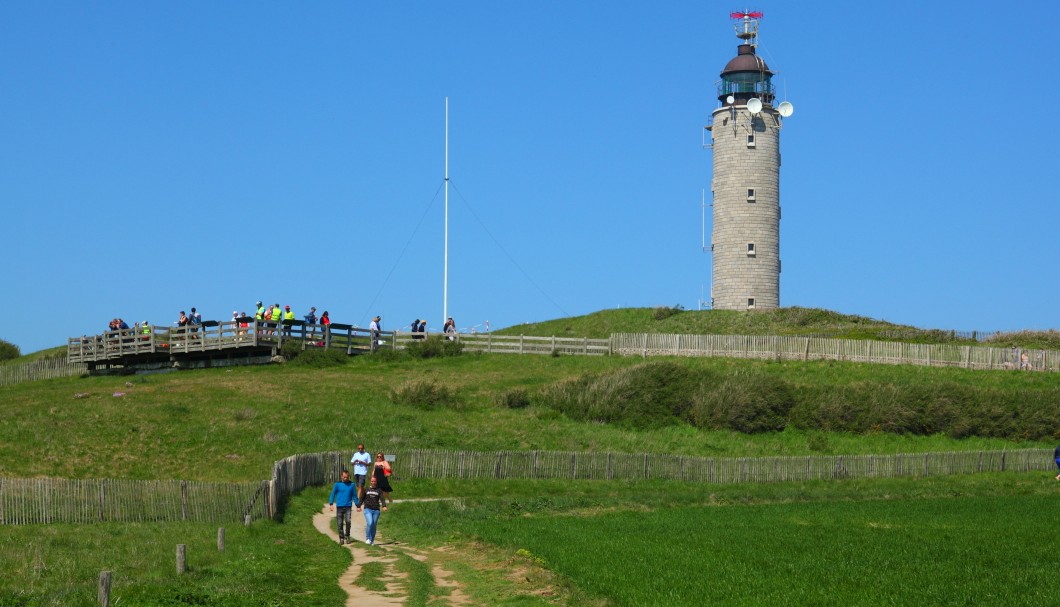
pixel 426 395
pixel 434 346
pixel 647 395
pixel 745 402
pixel 319 358
pixel 291 349
pixel 661 312
pixel 8 350
pixel 516 398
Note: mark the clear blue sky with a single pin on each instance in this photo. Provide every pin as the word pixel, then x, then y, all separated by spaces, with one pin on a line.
pixel 158 156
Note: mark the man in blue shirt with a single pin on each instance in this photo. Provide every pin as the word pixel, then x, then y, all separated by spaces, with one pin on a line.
pixel 344 494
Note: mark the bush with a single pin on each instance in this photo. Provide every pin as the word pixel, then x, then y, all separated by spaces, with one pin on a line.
pixel 426 395
pixel 516 398
pixel 661 312
pixel 319 358
pixel 647 395
pixel 8 350
pixel 745 402
pixel 291 349
pixel 434 346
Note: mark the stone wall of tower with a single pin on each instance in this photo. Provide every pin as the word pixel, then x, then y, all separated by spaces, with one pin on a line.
pixel 740 222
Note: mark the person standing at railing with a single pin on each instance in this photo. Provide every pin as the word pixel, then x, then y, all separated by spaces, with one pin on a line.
pixel 450 328
pixel 145 330
pixel 288 318
pixel 194 320
pixel 276 315
pixel 374 329
pixel 344 496
pixel 325 321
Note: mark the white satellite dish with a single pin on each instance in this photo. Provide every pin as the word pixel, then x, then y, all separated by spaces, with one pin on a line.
pixel 785 109
pixel 730 99
pixel 754 105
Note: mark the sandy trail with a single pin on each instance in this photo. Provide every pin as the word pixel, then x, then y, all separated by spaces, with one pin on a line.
pixel 396 592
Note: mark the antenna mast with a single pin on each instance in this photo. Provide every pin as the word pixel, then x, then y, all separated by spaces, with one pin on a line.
pixel 445 273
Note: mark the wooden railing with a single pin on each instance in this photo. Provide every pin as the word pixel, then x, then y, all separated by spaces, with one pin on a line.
pixel 213 336
pixel 516 344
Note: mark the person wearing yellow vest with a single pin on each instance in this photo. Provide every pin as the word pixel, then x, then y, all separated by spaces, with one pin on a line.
pixel 288 317
pixel 145 329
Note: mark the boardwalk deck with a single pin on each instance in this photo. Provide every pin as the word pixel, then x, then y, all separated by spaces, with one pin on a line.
pixel 212 340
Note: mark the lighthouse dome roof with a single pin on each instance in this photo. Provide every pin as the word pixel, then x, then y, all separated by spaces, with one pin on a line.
pixel 746 61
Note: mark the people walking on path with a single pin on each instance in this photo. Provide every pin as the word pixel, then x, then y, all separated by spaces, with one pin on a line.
pixel 1056 454
pixel 360 460
pixel 344 496
pixel 381 472
pixel 374 501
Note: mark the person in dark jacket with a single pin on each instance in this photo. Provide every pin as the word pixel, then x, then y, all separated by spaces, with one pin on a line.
pixel 372 502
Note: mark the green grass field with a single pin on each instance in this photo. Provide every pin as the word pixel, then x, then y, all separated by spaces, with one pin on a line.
pixel 989 540
pixel 232 424
pixel 973 540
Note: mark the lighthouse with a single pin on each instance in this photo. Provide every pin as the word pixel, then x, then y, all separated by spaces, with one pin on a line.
pixel 745 189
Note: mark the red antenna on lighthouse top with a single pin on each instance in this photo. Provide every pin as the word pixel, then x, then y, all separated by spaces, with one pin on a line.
pixel 747 28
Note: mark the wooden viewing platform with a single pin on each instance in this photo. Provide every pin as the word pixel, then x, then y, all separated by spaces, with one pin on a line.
pixel 214 343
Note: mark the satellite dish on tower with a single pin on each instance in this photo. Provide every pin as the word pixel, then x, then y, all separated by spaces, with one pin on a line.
pixel 785 109
pixel 730 99
pixel 754 105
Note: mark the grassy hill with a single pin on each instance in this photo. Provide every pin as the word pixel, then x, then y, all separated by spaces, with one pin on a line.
pixel 620 538
pixel 782 321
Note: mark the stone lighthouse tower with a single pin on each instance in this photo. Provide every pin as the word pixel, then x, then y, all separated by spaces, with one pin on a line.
pixel 745 136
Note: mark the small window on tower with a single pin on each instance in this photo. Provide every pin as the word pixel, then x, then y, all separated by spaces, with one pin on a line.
pixel 750 303
pixel 751 140
pixel 750 249
pixel 750 194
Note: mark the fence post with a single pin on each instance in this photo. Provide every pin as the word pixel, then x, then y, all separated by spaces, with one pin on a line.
pixel 103 594
pixel 220 539
pixel 183 500
pixel 182 559
pixel 102 498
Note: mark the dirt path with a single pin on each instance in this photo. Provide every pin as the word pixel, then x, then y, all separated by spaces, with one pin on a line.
pixel 396 591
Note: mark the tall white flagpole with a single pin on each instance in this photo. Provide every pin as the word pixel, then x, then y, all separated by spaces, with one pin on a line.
pixel 445 278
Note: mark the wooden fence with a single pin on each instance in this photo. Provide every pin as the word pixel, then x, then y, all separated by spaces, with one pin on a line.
pixel 519 344
pixel 45 368
pixel 297 472
pixel 819 348
pixel 54 500
pixel 48 500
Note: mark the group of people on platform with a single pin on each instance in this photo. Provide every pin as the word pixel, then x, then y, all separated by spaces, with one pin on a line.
pixel 371 499
pixel 271 318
